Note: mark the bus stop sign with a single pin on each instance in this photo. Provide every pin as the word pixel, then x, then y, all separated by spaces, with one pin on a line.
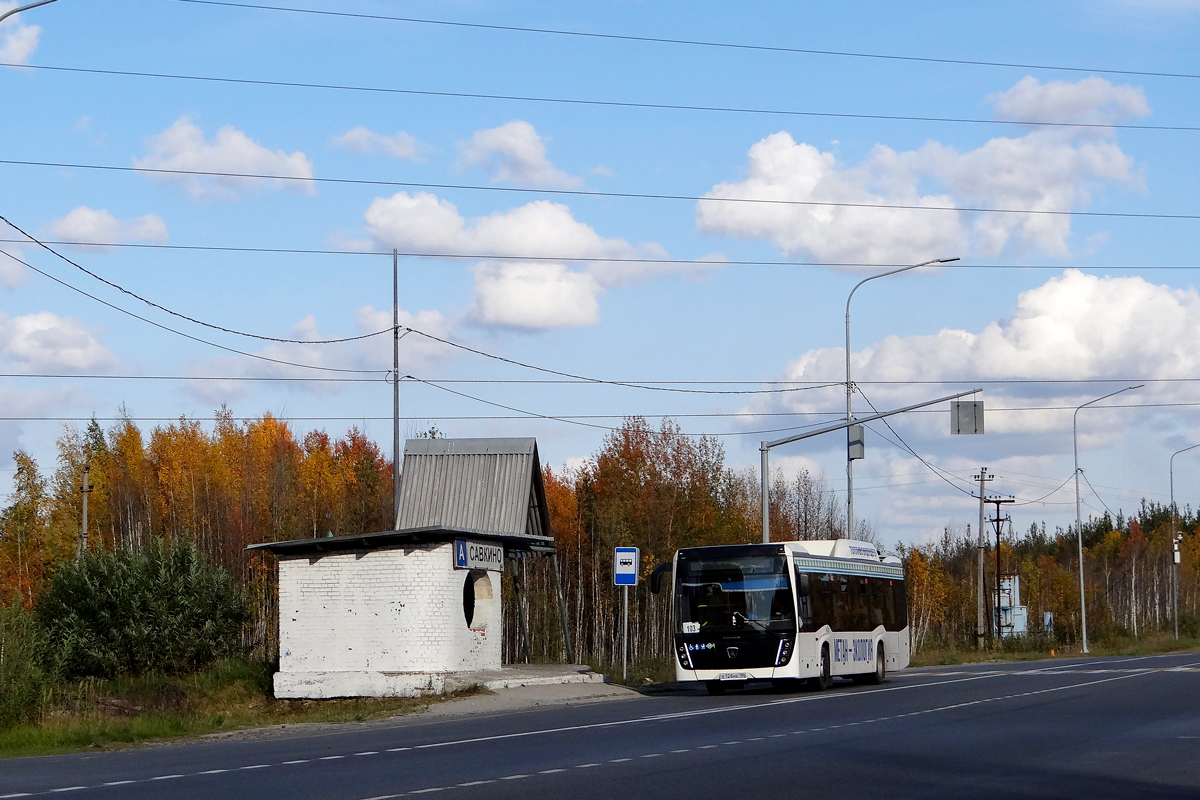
pixel 626 561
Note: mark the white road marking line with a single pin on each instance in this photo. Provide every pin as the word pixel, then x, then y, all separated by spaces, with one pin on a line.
pixel 256 766
pixel 585 766
pixel 755 739
pixel 684 750
pixel 550 771
pixel 69 789
pixel 431 789
pixel 297 761
pixel 778 735
pixel 398 749
pixel 477 783
pixel 383 797
pixel 206 772
pixel 707 747
pixel 155 778
pixel 652 755
pixel 365 752
pixel 110 783
pixel 735 742
pixel 329 758
pixel 15 794
pixel 513 777
pixel 619 760
pixel 698 713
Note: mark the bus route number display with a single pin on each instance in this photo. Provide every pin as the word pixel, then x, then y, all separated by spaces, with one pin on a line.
pixel 626 562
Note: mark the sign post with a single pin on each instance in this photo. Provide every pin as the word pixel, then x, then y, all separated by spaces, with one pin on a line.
pixel 626 562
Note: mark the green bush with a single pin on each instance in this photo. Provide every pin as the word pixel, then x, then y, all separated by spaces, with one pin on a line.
pixel 22 686
pixel 139 610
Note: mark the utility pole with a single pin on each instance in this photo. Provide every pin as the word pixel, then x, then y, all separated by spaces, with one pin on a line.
pixel 85 490
pixel 980 603
pixel 395 389
pixel 998 521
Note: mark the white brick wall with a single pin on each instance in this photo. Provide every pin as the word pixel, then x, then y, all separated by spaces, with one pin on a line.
pixel 383 611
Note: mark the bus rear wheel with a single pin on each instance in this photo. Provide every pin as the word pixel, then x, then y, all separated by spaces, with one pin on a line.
pixel 825 679
pixel 880 672
pixel 714 687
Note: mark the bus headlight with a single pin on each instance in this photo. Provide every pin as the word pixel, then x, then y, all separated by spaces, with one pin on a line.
pixel 685 660
pixel 784 654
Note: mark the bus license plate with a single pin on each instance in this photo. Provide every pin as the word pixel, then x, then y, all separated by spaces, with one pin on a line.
pixel 732 676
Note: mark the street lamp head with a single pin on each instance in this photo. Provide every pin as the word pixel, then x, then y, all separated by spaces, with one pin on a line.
pixel 946 260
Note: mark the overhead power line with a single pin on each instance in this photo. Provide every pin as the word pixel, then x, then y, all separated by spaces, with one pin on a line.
pixel 700 42
pixel 593 193
pixel 166 310
pixel 596 103
pixel 583 260
pixel 160 326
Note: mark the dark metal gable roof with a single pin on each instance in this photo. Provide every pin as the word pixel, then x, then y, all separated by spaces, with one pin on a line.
pixel 491 486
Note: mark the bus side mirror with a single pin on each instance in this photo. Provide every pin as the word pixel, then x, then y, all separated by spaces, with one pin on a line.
pixel 656 576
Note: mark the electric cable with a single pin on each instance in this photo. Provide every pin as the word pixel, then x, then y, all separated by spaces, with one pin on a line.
pixel 596 193
pixel 583 260
pixel 904 445
pixel 1098 497
pixel 573 101
pixel 186 335
pixel 192 320
pixel 697 42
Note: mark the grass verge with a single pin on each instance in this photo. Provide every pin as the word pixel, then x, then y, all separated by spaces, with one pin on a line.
pixel 233 695
pixel 1151 644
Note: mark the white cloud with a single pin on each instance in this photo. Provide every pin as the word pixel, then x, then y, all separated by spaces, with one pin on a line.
pixel 183 147
pixel 513 153
pixel 1074 326
pixel 1091 100
pixel 367 142
pixel 85 224
pixel 44 341
pixel 523 294
pixel 1046 169
pixel 17 41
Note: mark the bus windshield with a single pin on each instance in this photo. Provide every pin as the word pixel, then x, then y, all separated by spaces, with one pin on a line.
pixel 734 593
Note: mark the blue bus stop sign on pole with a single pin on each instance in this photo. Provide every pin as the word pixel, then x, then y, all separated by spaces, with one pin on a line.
pixel 625 566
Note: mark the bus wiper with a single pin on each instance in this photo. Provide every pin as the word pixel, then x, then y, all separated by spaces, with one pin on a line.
pixel 762 626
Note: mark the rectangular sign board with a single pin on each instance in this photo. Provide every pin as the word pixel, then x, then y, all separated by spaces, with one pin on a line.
pixel 966 417
pixel 626 561
pixel 478 555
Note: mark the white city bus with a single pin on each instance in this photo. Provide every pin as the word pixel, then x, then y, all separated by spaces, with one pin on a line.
pixel 786 612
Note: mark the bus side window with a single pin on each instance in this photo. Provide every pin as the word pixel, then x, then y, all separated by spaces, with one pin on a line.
pixel 876 592
pixel 901 600
pixel 822 599
pixel 888 595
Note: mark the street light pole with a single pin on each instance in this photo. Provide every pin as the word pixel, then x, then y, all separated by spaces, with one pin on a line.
pixel 1175 542
pixel 1078 511
pixel 19 9
pixel 850 385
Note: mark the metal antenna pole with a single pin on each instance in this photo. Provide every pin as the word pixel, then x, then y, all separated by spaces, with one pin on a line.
pixel 395 390
pixel 85 490
pixel 1078 510
pixel 850 386
pixel 1175 537
pixel 980 603
pixel 766 492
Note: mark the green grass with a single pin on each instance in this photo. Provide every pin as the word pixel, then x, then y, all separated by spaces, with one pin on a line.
pixel 233 695
pixel 1150 644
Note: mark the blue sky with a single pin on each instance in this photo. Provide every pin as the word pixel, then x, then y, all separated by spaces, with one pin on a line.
pixel 1097 305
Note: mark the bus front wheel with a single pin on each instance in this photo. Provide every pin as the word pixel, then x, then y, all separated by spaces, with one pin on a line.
pixel 825 679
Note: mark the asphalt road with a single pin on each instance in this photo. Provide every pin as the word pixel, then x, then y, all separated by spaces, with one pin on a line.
pixel 1087 728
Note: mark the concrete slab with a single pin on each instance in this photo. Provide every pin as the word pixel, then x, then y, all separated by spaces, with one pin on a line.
pixel 518 675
